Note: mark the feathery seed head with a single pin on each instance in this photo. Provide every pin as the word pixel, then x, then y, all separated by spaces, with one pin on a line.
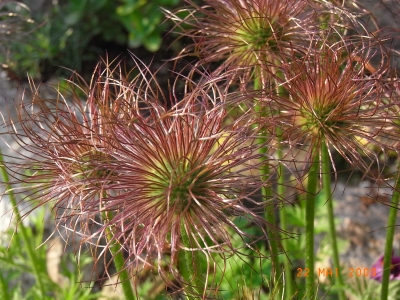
pixel 332 100
pixel 183 170
pixel 247 33
pixel 122 162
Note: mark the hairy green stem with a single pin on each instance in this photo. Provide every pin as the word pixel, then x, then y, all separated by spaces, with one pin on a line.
pixel 27 243
pixel 289 282
pixel 119 262
pixel 326 187
pixel 387 261
pixel 189 266
pixel 267 194
pixel 310 216
pixel 270 218
pixel 289 287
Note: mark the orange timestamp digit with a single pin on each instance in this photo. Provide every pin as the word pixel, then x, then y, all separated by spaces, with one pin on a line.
pixel 302 272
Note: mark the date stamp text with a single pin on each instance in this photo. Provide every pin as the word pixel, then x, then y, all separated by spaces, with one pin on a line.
pixel 333 272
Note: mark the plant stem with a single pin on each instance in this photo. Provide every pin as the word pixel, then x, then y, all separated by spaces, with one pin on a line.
pixel 189 266
pixel 270 218
pixel 289 282
pixel 31 253
pixel 119 262
pixel 289 289
pixel 387 261
pixel 310 216
pixel 267 194
pixel 326 186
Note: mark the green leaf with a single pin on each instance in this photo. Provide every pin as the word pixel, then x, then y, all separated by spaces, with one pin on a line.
pixel 130 8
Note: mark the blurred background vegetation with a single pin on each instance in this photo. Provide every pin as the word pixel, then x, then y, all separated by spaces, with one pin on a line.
pixel 38 37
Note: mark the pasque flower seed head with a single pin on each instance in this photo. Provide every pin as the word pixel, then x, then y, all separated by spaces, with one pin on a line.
pixel 160 180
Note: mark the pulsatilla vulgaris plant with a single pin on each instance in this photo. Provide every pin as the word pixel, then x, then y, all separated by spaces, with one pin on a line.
pixel 161 186
pixel 62 139
pixel 246 34
pixel 180 178
pixel 333 98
